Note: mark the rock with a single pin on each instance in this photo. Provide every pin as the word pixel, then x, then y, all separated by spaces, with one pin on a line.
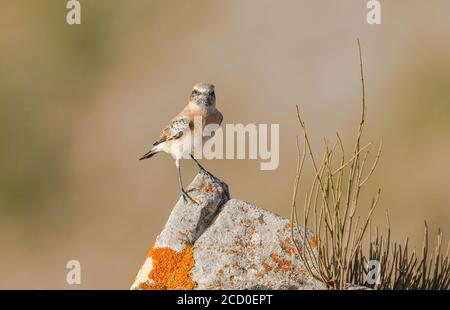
pixel 188 221
pixel 224 244
pixel 248 248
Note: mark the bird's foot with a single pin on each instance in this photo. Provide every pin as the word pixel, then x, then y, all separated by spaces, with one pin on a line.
pixel 187 197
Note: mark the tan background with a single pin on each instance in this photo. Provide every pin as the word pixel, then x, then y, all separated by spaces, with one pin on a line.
pixel 80 104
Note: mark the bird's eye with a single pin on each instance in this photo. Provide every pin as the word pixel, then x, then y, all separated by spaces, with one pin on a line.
pixel 195 92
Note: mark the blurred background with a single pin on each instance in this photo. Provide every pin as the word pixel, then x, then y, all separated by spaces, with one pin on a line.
pixel 79 104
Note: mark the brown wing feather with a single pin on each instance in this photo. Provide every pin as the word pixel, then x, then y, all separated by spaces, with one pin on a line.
pixel 174 130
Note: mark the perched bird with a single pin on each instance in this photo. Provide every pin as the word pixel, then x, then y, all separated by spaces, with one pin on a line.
pixel 177 138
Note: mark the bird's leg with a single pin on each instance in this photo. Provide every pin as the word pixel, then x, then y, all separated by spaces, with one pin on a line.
pixel 183 192
pixel 203 169
pixel 198 164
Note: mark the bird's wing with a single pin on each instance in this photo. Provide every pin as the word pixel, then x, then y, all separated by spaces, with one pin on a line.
pixel 174 130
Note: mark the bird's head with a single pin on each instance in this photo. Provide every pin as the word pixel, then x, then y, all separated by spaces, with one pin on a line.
pixel 203 95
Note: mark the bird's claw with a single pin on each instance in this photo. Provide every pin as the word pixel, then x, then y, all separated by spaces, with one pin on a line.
pixel 186 197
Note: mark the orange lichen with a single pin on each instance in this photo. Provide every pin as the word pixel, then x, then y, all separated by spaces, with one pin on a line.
pixel 171 270
pixel 231 280
pixel 218 284
pixel 282 264
pixel 287 246
pixel 266 266
pixel 313 242
pixel 209 189
pixel 149 252
pixel 145 286
pixel 205 188
pixel 239 243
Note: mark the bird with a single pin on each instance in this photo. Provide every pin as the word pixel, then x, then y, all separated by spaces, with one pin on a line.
pixel 177 138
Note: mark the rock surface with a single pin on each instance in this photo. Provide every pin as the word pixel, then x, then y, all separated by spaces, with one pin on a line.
pixel 223 244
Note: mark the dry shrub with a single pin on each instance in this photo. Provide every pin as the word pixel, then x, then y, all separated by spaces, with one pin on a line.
pixel 338 254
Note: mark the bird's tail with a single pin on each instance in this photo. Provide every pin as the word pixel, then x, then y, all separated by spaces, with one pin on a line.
pixel 149 154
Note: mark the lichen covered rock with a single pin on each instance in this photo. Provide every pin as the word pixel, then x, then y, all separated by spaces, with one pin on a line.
pixel 224 244
pixel 248 248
